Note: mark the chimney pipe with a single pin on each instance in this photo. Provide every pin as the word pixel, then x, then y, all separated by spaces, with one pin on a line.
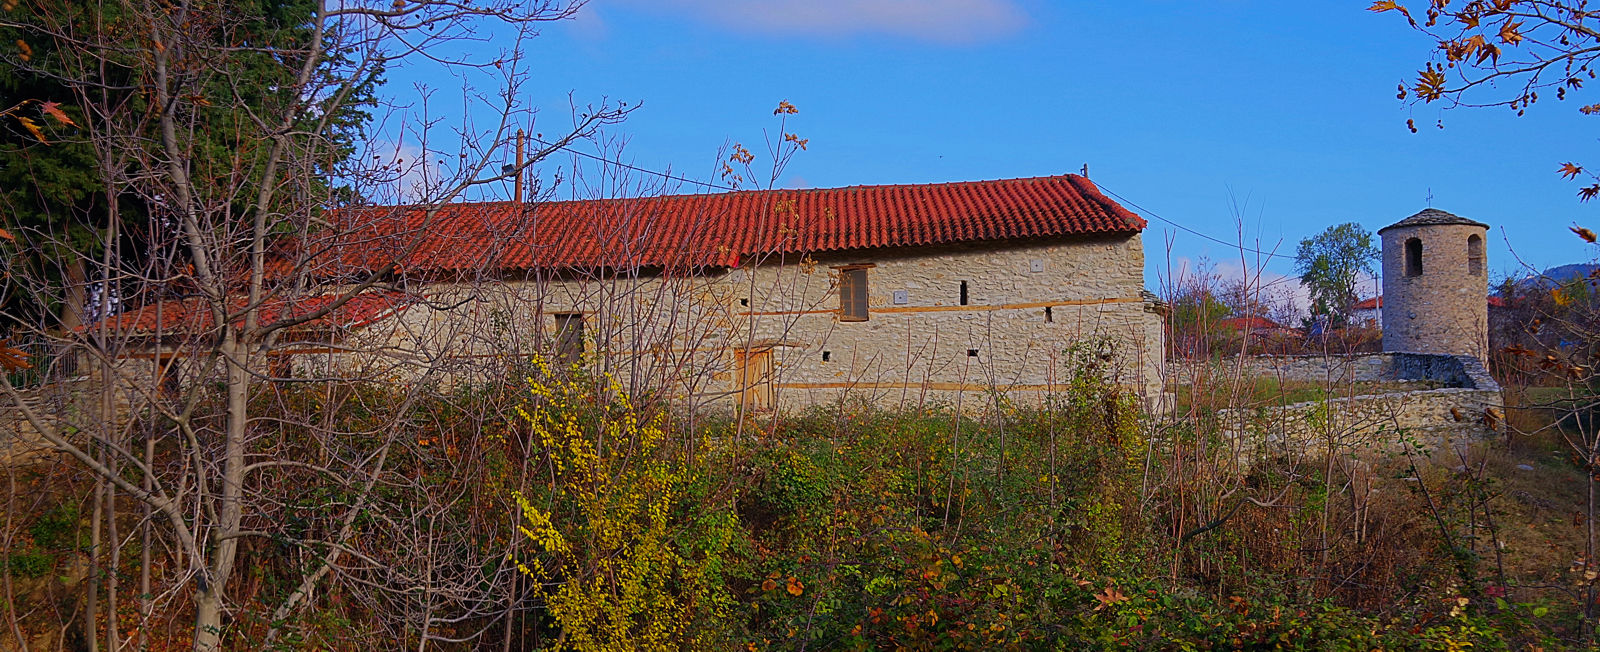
pixel 522 139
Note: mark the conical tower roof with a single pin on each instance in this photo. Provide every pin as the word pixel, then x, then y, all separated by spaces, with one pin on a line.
pixel 1432 217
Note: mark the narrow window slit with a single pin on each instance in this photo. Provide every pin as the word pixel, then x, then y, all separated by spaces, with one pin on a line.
pixel 1413 256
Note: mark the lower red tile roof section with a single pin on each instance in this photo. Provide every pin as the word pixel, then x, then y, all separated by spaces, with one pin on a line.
pixel 1251 323
pixel 193 315
pixel 708 230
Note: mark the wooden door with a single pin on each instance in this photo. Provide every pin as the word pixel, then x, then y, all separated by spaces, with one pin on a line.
pixel 755 379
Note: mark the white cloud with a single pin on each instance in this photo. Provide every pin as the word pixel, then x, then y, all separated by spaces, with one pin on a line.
pixel 588 24
pixel 398 173
pixel 1270 286
pixel 940 21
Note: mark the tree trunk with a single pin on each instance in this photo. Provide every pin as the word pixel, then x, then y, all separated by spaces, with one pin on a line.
pixel 225 547
pixel 208 619
pixel 91 621
pixel 146 601
pixel 76 293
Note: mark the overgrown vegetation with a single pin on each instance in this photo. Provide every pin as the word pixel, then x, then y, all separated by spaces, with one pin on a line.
pixel 1063 525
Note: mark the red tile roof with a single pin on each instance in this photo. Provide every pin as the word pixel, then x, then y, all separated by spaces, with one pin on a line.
pixel 717 230
pixel 193 315
pixel 1251 323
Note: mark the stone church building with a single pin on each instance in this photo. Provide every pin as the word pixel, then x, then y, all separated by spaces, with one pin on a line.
pixel 900 295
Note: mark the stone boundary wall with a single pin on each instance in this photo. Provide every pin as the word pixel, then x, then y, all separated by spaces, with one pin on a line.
pixel 1464 410
pixel 1458 371
pixel 72 406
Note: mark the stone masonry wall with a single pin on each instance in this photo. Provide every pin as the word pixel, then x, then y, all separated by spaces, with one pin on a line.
pixel 70 407
pixel 1027 302
pixel 1449 370
pixel 1443 310
pixel 1460 411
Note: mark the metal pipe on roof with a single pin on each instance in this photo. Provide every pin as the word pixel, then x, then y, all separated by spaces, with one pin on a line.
pixel 522 141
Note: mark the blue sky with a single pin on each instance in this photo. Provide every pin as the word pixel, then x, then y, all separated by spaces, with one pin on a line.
pixel 1282 114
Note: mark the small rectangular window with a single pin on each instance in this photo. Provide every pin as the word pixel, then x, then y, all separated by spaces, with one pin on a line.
pixel 569 336
pixel 963 293
pixel 853 294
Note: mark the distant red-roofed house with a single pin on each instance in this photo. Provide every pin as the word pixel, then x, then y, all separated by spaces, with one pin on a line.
pixel 1257 326
pixel 897 294
pixel 1368 312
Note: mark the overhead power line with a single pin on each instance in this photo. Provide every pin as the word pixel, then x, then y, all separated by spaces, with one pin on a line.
pixel 1193 232
pixel 635 168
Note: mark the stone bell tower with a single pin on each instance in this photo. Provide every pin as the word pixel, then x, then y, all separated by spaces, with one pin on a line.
pixel 1435 285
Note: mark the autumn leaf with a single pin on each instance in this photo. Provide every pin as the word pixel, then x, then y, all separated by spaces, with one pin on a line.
pixel 1517 349
pixel 6 235
pixel 769 585
pixel 1509 34
pixel 53 109
pixel 1586 234
pixel 1110 597
pixel 786 108
pixel 33 128
pixel 1586 194
pixel 1430 84
pixel 795 586
pixel 13 359
pixel 1570 170
pixel 1381 6
pixel 1590 109
pixel 1484 48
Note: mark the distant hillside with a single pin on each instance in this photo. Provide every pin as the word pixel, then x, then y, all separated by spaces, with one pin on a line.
pixel 1556 276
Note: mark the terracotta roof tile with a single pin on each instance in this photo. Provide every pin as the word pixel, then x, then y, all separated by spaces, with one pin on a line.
pixel 716 230
pixel 193 315
pixel 1252 323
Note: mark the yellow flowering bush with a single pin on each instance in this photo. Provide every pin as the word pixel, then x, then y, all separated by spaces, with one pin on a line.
pixel 617 558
